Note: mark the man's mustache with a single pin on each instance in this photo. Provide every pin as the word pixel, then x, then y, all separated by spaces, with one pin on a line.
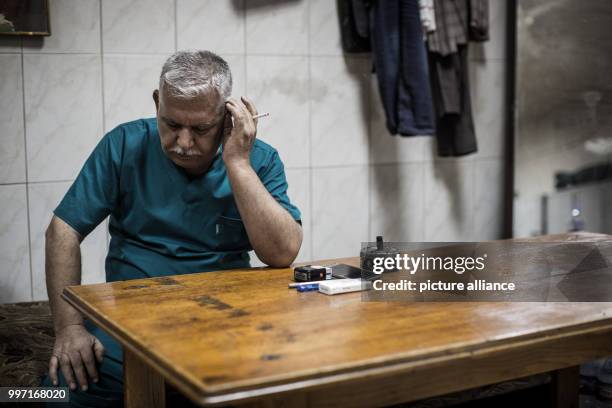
pixel 183 152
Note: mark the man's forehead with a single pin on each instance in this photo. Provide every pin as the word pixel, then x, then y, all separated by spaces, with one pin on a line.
pixel 211 99
pixel 204 108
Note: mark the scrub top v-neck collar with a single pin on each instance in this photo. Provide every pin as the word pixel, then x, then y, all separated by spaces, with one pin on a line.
pixel 190 189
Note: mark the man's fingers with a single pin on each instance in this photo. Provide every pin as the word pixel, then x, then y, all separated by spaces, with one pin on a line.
pixel 98 350
pixel 90 364
pixel 250 106
pixel 232 106
pixel 240 108
pixel 53 364
pixel 67 371
pixel 79 370
pixel 244 123
pixel 245 115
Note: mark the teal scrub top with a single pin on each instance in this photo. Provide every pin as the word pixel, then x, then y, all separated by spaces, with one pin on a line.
pixel 161 222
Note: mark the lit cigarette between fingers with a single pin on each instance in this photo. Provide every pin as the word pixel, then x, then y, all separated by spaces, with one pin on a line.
pixel 261 115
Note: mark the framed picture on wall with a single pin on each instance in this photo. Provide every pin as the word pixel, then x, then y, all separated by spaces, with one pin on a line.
pixel 24 17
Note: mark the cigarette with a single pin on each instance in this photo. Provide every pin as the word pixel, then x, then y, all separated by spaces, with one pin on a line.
pixel 261 115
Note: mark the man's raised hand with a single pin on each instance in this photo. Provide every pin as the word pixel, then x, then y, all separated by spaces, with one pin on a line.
pixel 239 138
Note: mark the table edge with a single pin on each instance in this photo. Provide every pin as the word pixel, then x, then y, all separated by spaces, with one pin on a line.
pixel 239 390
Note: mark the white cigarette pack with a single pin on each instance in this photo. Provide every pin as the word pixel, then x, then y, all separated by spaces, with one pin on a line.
pixel 337 286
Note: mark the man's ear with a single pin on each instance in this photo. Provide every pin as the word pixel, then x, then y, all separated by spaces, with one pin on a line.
pixel 156 99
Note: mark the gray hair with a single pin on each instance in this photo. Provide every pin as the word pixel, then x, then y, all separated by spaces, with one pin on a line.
pixel 188 74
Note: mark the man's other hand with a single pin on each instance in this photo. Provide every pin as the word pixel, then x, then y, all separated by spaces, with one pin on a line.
pixel 75 353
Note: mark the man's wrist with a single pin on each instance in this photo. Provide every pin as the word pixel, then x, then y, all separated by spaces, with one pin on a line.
pixel 238 165
pixel 64 327
pixel 60 327
pixel 68 318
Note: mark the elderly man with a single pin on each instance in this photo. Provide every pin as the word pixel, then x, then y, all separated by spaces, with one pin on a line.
pixel 192 190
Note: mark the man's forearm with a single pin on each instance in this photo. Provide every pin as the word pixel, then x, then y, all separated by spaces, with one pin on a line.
pixel 276 237
pixel 62 268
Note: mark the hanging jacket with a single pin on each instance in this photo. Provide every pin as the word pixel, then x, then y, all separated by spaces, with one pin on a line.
pixel 457 21
pixel 400 62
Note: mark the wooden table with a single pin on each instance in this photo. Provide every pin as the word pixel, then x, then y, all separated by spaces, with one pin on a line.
pixel 241 336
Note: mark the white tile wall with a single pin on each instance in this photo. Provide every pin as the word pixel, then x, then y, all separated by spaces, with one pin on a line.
pixel 396 202
pixel 125 103
pixel 339 211
pixel 44 198
pixel 277 27
pixel 324 28
pixel 279 85
pixel 339 103
pixel 63 104
pixel 489 116
pixel 449 195
pixel 75 28
pixel 488 199
pixel 10 45
pixel 349 177
pixel 138 26
pixel 211 25
pixel 237 64
pixel 15 278
pixel 12 149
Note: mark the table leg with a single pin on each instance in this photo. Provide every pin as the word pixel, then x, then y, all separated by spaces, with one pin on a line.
pixel 142 386
pixel 564 387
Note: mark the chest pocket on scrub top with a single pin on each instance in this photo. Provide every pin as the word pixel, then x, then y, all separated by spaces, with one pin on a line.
pixel 230 233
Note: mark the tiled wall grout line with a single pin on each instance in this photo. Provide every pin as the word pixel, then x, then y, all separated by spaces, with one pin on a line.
pixel 368 84
pixel 27 189
pixel 47 181
pixel 102 70
pixel 310 171
pixel 175 25
pixel 106 233
pixel 60 53
pixel 14 183
pixel 474 201
pixel 244 50
pixel 423 192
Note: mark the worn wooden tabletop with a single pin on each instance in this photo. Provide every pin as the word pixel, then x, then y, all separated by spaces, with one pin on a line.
pixel 238 335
